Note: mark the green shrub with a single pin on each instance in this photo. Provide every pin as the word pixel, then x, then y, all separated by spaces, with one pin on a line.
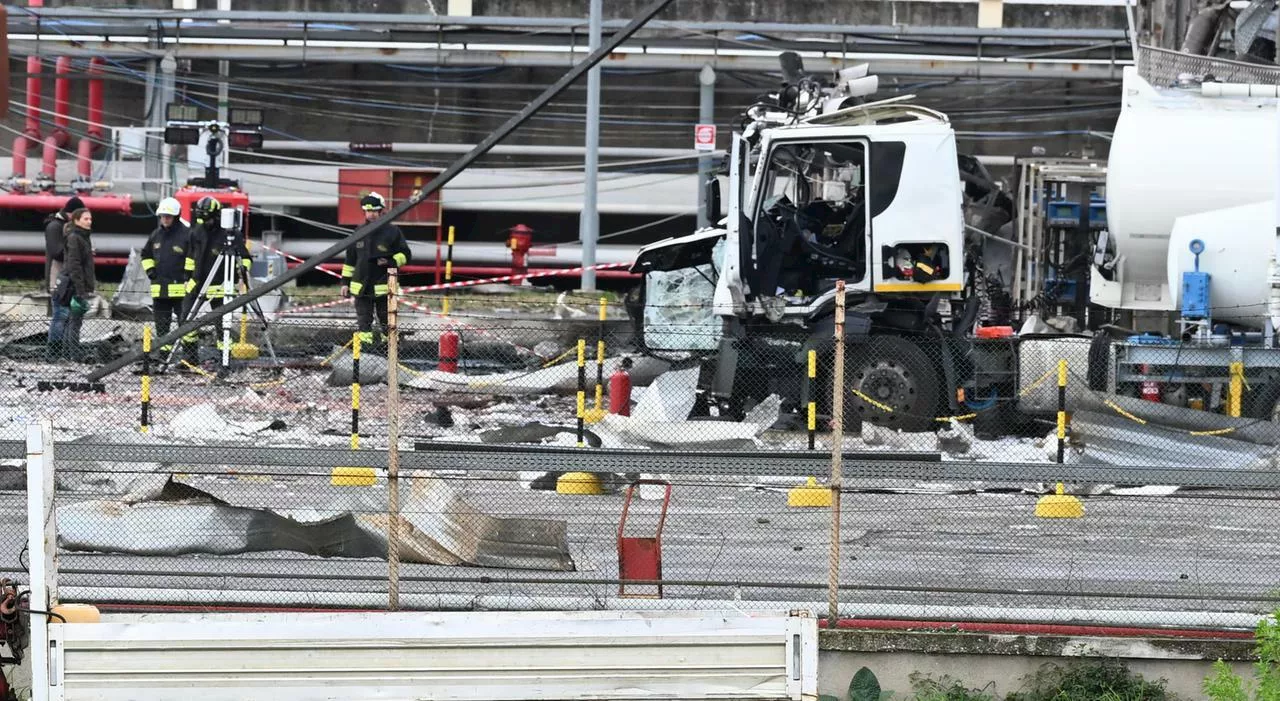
pixel 945 688
pixel 1106 680
pixel 1225 685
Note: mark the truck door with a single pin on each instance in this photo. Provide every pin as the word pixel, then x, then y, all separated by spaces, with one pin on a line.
pixel 811 221
pixel 729 297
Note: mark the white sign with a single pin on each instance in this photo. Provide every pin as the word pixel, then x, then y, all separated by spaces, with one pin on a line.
pixel 704 137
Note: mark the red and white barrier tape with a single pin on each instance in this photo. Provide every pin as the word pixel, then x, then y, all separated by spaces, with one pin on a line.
pixel 453 321
pixel 296 259
pixel 313 307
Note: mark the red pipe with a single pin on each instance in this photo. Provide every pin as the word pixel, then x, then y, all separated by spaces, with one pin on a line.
pixel 119 204
pixel 34 95
pixel 90 144
pixel 61 107
pixel 32 133
pixel 38 259
pixel 483 271
pixel 1037 629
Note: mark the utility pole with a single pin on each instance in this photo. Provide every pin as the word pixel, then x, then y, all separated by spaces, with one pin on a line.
pixel 224 72
pixel 161 76
pixel 589 225
pixel 706 115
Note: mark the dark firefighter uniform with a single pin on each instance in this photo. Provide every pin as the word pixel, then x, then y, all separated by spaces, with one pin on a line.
pixel 208 240
pixel 167 260
pixel 365 275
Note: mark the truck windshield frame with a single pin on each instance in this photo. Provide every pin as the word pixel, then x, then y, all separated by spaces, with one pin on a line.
pixel 810 215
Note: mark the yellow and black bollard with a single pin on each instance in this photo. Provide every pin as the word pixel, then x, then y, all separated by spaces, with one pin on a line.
pixel 604 306
pixel 354 476
pixel 582 391
pixel 1062 408
pixel 448 274
pixel 145 425
pixel 1235 389
pixel 1060 504
pixel 355 391
pixel 813 406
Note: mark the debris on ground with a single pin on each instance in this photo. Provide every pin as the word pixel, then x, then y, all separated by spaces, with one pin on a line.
pixel 229 517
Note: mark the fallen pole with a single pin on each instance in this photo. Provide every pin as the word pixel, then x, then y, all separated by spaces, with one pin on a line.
pixel 364 231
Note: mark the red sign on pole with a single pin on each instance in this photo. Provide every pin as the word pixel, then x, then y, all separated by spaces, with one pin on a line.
pixel 704 137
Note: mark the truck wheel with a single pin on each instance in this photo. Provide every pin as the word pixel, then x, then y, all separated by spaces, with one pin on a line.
pixel 895 373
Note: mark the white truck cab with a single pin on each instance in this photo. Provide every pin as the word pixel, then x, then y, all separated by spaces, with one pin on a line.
pixel 868 195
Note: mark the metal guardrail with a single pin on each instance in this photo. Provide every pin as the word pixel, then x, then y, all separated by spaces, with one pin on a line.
pixel 449 456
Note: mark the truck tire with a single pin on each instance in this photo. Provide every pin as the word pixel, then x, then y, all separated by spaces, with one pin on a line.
pixel 896 373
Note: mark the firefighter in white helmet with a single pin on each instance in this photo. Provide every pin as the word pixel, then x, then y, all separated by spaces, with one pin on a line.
pixel 168 260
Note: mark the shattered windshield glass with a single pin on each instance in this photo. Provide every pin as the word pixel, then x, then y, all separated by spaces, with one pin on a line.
pixel 678 313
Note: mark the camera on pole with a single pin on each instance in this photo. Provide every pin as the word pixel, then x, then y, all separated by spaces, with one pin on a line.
pixel 242 130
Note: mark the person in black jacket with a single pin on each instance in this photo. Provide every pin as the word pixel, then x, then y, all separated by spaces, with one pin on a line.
pixel 54 232
pixel 167 260
pixel 76 284
pixel 208 242
pixel 364 274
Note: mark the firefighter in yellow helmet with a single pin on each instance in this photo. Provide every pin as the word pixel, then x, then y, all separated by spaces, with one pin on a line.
pixel 167 260
pixel 364 274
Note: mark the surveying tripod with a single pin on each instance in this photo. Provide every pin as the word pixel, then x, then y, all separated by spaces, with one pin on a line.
pixel 227 268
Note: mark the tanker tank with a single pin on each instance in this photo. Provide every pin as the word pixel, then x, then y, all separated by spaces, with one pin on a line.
pixel 1177 153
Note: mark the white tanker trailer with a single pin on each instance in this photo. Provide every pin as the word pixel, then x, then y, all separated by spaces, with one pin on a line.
pixel 1191 244
pixel 1190 163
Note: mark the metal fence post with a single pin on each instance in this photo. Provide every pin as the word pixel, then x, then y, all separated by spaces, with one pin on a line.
pixel 837 455
pixel 393 440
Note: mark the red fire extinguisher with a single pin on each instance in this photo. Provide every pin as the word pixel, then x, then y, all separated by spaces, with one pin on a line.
pixel 1150 388
pixel 620 390
pixel 447 351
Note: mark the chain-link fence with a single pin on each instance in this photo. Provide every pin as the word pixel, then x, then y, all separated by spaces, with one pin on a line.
pixel 525 421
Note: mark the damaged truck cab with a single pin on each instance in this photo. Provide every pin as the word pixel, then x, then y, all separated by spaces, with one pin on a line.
pixel 868 194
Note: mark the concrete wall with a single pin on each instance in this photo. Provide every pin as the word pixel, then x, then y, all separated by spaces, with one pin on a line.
pixel 1001 663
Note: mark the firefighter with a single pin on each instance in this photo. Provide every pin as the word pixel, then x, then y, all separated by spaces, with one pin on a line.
pixel 167 260
pixel 364 275
pixel 208 242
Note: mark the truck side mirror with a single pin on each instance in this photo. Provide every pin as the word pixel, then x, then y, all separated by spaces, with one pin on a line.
pixel 712 200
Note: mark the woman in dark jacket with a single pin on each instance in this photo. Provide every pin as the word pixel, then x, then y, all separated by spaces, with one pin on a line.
pixel 78 275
